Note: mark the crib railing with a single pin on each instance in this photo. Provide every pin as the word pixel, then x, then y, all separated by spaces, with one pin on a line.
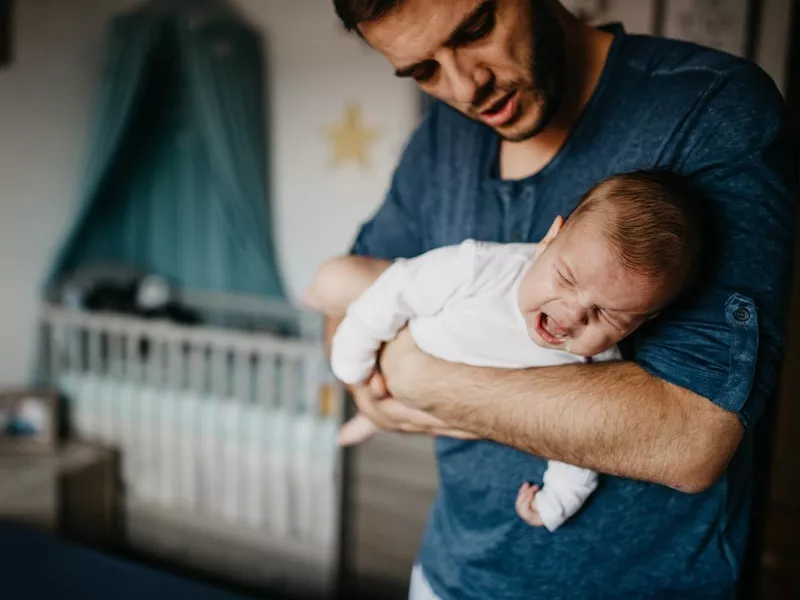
pixel 221 426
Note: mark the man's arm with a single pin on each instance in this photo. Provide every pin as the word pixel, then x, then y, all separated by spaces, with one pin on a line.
pixel 704 371
pixel 340 281
pixel 611 417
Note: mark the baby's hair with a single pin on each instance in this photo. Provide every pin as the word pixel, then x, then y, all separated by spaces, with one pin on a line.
pixel 649 219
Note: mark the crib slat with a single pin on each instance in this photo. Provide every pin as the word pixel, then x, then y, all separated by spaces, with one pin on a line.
pixel 55 335
pixel 219 372
pixel 165 414
pixel 243 392
pixel 215 429
pixel 93 407
pixel 313 504
pixel 115 342
pixel 197 369
pixel 148 358
pixel 176 366
pixel 134 370
pixel 267 388
pixel 175 378
pixel 274 489
pixel 288 397
pixel 265 447
pixel 197 388
pixel 74 350
pixel 95 365
pixel 45 356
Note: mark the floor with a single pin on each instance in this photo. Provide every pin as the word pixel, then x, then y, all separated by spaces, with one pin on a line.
pixel 393 482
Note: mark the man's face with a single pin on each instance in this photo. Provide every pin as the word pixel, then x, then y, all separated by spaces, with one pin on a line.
pixel 500 62
pixel 578 297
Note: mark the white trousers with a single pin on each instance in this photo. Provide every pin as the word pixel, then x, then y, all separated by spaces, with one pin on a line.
pixel 420 589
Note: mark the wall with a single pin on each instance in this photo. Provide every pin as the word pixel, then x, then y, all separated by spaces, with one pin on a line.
pixel 315 69
pixel 772 50
pixel 45 103
pixel 46 97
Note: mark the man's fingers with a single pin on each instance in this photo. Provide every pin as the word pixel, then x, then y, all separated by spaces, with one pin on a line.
pixel 455 433
pixel 390 414
pixel 378 386
pixel 367 404
pixel 399 412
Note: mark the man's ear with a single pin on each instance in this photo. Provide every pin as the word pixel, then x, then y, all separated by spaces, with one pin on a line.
pixel 558 223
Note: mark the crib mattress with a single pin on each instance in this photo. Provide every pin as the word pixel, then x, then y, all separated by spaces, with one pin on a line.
pixel 249 465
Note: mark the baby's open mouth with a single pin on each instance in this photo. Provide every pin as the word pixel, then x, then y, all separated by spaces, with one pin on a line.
pixel 550 330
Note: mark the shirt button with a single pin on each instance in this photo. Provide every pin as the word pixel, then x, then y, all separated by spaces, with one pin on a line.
pixel 741 315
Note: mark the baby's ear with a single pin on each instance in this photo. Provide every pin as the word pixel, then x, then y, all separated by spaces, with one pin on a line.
pixel 558 223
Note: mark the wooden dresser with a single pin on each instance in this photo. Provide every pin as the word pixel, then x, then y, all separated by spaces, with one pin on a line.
pixel 393 482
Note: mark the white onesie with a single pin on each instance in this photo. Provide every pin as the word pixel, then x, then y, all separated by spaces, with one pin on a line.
pixel 461 305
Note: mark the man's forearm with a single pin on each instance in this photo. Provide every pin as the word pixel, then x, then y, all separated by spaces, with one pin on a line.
pixel 612 417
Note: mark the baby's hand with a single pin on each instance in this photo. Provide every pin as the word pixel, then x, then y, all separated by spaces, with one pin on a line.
pixel 524 504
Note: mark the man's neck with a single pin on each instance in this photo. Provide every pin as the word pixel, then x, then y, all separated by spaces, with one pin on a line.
pixel 588 50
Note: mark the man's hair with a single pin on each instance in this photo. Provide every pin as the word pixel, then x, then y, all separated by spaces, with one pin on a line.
pixel 354 12
pixel 649 217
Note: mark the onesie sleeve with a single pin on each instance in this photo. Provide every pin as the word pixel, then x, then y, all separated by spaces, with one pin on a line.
pixel 410 288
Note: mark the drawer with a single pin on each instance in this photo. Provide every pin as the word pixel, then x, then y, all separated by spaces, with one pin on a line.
pixel 389 459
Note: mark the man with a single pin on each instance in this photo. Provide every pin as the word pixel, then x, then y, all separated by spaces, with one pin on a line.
pixel 535 108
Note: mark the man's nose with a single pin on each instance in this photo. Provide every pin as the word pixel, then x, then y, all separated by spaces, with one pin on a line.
pixel 464 80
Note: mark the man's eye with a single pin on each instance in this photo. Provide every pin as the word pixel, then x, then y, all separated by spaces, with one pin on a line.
pixel 480 27
pixel 424 72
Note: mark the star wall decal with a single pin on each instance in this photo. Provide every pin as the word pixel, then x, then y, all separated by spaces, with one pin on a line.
pixel 351 139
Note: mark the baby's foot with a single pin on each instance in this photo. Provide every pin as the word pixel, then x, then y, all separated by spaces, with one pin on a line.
pixel 524 504
pixel 356 430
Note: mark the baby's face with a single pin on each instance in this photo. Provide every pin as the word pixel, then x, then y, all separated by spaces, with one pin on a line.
pixel 578 298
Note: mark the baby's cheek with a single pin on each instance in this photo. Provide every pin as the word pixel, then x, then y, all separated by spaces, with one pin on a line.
pixel 602 340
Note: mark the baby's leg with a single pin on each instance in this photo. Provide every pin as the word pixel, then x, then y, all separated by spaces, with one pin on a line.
pixel 356 430
pixel 336 284
pixel 340 281
pixel 565 489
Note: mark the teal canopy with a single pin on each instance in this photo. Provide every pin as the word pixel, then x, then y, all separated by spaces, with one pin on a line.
pixel 176 180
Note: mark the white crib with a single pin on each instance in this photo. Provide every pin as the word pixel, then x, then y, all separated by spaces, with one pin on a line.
pixel 227 436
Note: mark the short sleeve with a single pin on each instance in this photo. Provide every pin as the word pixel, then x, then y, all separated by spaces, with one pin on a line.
pixel 724 339
pixel 395 230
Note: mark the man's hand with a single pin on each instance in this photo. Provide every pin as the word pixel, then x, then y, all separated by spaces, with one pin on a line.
pixel 390 414
pixel 386 412
pixel 397 361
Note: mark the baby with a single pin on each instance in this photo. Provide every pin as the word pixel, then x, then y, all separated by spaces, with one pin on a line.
pixel 523 305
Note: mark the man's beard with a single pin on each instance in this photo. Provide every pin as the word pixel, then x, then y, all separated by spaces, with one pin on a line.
pixel 548 68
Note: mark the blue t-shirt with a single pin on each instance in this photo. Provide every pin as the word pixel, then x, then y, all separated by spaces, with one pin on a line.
pixel 660 103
